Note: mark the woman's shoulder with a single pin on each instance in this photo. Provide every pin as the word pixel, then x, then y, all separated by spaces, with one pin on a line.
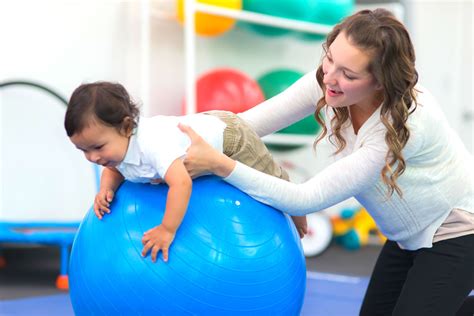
pixel 427 123
pixel 424 95
pixel 426 109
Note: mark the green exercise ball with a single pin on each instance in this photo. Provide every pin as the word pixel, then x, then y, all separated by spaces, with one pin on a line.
pixel 290 9
pixel 327 12
pixel 275 82
pixel 330 12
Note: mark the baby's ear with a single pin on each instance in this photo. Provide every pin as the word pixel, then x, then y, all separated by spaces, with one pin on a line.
pixel 127 126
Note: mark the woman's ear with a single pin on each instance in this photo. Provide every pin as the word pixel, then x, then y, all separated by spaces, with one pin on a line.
pixel 127 126
pixel 378 86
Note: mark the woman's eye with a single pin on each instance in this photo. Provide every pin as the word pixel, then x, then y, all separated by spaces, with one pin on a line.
pixel 98 147
pixel 348 77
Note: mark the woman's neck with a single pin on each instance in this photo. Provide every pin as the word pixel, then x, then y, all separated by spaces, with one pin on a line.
pixel 360 114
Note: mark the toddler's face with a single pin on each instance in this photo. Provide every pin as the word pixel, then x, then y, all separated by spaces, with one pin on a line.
pixel 102 144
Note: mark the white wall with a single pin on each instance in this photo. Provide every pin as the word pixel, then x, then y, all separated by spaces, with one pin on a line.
pixel 43 177
pixel 60 44
pixel 64 43
pixel 442 32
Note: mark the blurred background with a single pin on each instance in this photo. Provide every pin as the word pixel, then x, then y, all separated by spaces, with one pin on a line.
pixel 50 47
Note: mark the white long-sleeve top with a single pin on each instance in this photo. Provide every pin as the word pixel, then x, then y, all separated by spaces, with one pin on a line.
pixel 438 178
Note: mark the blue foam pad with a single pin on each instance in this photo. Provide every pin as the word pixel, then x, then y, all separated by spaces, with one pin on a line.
pixel 43 233
pixel 326 294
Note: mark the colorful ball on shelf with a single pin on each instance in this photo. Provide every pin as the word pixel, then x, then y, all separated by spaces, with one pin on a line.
pixel 277 81
pixel 227 89
pixel 330 12
pixel 291 9
pixel 211 25
pixel 327 12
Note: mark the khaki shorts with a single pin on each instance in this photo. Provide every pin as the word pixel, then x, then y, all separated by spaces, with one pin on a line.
pixel 241 143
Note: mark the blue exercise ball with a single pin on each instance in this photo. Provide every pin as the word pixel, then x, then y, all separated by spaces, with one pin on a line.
pixel 231 255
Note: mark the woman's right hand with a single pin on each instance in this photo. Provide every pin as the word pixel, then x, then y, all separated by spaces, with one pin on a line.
pixel 202 158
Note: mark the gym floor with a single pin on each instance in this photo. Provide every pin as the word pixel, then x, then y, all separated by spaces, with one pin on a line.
pixel 32 271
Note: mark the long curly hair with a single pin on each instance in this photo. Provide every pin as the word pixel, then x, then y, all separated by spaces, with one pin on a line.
pixel 393 66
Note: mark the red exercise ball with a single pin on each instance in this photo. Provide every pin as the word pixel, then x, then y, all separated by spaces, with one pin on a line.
pixel 227 89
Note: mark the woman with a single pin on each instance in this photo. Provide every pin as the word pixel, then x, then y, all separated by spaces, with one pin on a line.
pixel 394 152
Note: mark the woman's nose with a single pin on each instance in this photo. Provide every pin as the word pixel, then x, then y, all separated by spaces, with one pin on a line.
pixel 329 78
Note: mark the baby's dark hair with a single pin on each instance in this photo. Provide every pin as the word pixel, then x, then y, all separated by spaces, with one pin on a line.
pixel 107 102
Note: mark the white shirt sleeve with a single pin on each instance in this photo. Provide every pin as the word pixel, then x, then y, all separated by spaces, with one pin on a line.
pixel 342 179
pixel 291 105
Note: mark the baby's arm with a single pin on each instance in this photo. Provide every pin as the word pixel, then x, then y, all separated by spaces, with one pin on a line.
pixel 161 236
pixel 109 182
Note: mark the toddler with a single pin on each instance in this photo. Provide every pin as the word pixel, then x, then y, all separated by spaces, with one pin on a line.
pixel 103 122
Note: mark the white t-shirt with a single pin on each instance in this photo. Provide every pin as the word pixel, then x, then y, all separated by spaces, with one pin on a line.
pixel 157 142
pixel 438 178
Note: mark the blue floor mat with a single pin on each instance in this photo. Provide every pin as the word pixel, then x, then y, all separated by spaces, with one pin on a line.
pixel 326 294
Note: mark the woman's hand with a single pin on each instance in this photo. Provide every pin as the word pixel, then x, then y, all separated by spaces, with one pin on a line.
pixel 202 158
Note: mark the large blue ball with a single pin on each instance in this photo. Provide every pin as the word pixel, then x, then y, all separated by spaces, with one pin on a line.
pixel 231 256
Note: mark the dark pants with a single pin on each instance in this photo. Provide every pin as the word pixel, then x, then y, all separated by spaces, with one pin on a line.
pixel 429 281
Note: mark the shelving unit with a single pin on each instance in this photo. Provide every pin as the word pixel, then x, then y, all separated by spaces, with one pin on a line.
pixel 192 7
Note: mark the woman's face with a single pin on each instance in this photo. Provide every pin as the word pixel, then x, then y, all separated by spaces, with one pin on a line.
pixel 346 76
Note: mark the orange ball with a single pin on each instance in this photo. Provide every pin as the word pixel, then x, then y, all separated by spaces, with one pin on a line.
pixel 211 25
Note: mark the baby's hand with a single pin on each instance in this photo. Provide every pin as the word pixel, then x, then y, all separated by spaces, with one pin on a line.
pixel 301 225
pixel 156 239
pixel 102 202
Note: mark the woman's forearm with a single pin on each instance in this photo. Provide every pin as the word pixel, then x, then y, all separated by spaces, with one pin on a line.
pixel 339 181
pixel 222 165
